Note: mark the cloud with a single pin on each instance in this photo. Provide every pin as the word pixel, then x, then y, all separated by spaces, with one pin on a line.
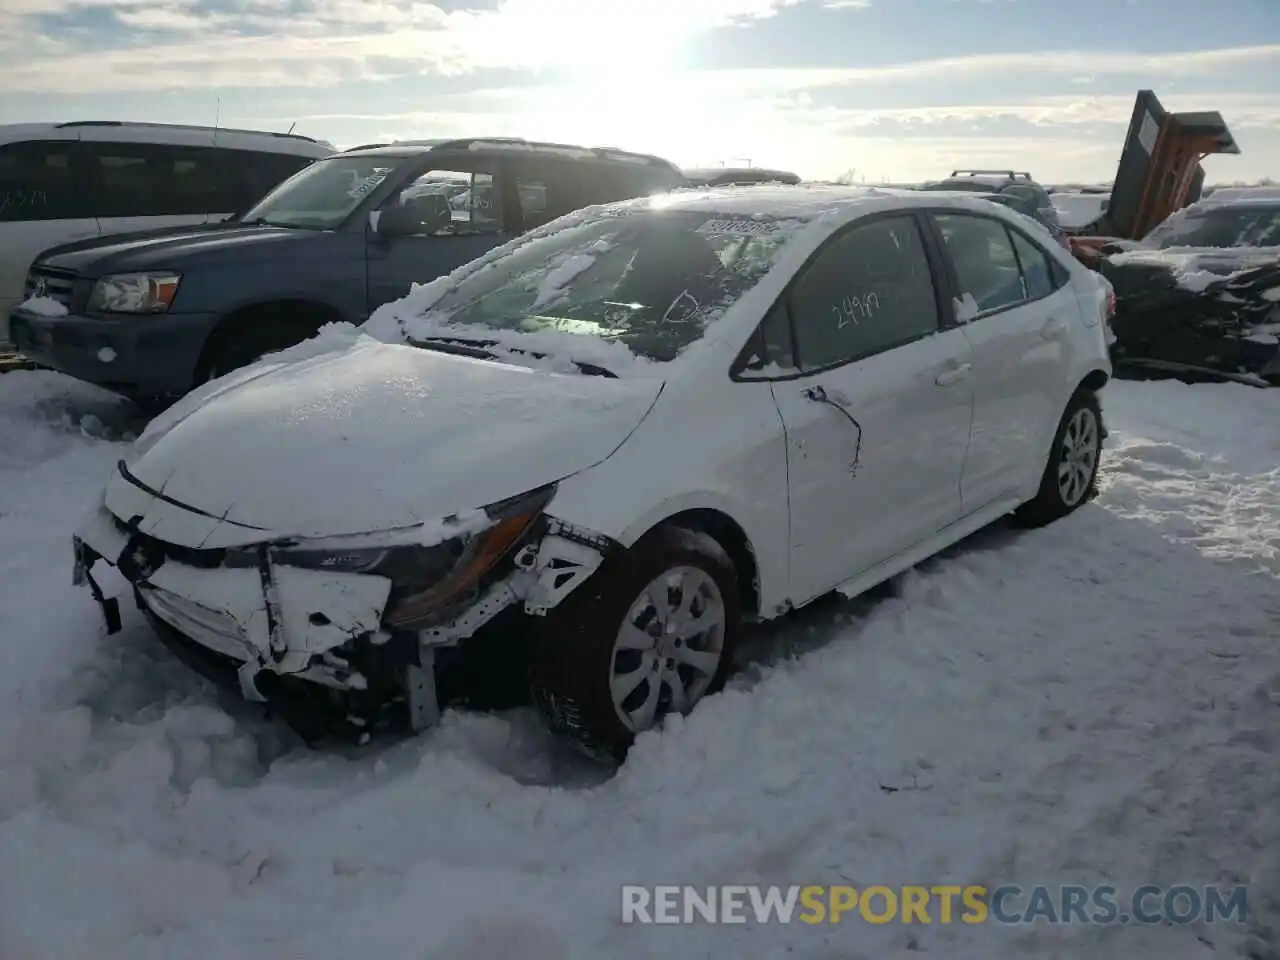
pixel 161 45
pixel 308 43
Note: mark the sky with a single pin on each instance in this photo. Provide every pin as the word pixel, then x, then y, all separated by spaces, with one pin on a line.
pixel 897 90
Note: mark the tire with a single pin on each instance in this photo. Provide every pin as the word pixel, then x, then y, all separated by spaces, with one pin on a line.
pixel 248 339
pixel 574 655
pixel 239 351
pixel 1071 476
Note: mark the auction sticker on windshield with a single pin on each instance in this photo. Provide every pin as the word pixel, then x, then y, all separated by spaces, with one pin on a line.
pixel 739 228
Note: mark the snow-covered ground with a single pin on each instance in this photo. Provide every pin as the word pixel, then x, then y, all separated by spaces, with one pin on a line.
pixel 1095 702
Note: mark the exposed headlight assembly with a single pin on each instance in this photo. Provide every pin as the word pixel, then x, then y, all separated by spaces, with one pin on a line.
pixel 428 581
pixel 134 292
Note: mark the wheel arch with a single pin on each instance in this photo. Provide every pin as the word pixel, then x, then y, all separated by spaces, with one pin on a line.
pixel 298 312
pixel 730 535
pixel 1094 380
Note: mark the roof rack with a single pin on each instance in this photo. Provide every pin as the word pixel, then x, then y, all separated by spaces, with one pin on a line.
pixel 366 146
pixel 182 126
pixel 603 153
pixel 1012 175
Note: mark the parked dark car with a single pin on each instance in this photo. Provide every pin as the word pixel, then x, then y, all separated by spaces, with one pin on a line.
pixel 153 315
pixel 1201 292
pixel 1010 188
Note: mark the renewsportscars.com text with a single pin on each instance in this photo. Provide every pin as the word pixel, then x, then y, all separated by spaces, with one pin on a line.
pixel 941 904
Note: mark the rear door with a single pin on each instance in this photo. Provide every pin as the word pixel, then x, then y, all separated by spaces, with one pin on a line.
pixel 1019 310
pixel 877 409
pixel 44 201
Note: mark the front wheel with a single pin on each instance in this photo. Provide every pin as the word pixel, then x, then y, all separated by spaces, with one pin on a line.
pixel 1071 475
pixel 652 633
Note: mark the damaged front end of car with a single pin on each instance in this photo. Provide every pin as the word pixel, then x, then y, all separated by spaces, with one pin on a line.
pixel 346 635
pixel 1215 318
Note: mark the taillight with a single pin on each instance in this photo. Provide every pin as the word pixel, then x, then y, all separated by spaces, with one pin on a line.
pixel 1111 305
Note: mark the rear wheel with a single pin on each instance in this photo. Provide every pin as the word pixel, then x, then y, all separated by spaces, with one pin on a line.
pixel 652 633
pixel 1070 477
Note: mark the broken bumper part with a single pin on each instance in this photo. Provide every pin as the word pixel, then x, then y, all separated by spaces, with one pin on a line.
pixel 271 619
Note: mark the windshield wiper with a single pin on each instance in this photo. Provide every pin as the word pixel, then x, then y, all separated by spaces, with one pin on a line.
pixel 460 348
pixel 479 349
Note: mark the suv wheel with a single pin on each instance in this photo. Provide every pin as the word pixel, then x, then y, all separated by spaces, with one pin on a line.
pixel 652 633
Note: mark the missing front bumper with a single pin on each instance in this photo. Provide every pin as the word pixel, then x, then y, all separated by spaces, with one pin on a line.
pixel 288 636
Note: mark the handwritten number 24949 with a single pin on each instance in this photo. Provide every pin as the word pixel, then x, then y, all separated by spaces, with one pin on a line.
pixel 855 309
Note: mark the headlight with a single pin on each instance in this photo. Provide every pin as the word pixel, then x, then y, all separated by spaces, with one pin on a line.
pixel 426 582
pixel 134 293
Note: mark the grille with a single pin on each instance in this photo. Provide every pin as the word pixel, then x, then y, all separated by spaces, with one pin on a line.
pixel 57 284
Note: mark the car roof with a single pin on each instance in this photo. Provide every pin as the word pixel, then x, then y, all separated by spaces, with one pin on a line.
pixel 177 134
pixel 508 146
pixel 747 174
pixel 1230 203
pixel 806 201
pixel 1232 194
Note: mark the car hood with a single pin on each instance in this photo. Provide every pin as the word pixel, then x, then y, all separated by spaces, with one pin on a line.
pixel 166 249
pixel 1217 260
pixel 383 436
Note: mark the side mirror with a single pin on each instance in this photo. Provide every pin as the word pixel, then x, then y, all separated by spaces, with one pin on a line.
pixel 415 216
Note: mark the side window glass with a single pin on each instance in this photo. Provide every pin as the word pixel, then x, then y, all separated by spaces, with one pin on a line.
pixel 770 352
pixel 534 208
pixel 195 183
pixel 869 290
pixel 1059 274
pixel 254 175
pixel 37 183
pixel 986 266
pixel 450 202
pixel 153 180
pixel 1035 267
pixel 125 184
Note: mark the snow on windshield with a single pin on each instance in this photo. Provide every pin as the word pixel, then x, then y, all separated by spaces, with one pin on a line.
pixel 1208 225
pixel 631 286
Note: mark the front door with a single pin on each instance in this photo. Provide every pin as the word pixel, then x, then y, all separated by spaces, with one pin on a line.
pixel 877 417
pixel 477 225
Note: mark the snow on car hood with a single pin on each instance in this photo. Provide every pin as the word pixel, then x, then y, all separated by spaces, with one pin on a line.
pixel 380 436
pixel 1218 260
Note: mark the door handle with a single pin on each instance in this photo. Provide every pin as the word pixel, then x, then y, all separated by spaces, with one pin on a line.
pixel 952 375
pixel 820 394
pixel 1053 329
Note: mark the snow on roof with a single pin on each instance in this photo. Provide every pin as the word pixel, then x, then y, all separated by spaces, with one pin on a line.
pixel 1237 194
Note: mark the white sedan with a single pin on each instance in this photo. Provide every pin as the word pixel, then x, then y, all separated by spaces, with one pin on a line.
pixel 587 458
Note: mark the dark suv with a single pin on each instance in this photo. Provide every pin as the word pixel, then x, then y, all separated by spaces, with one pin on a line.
pixel 1010 188
pixel 153 315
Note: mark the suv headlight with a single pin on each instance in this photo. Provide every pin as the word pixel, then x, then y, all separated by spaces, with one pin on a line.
pixel 134 292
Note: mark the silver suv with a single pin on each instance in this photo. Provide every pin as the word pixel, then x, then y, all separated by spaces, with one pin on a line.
pixel 1010 188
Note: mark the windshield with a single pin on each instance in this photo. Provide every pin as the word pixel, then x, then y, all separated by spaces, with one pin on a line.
pixel 1207 226
pixel 652 280
pixel 323 195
